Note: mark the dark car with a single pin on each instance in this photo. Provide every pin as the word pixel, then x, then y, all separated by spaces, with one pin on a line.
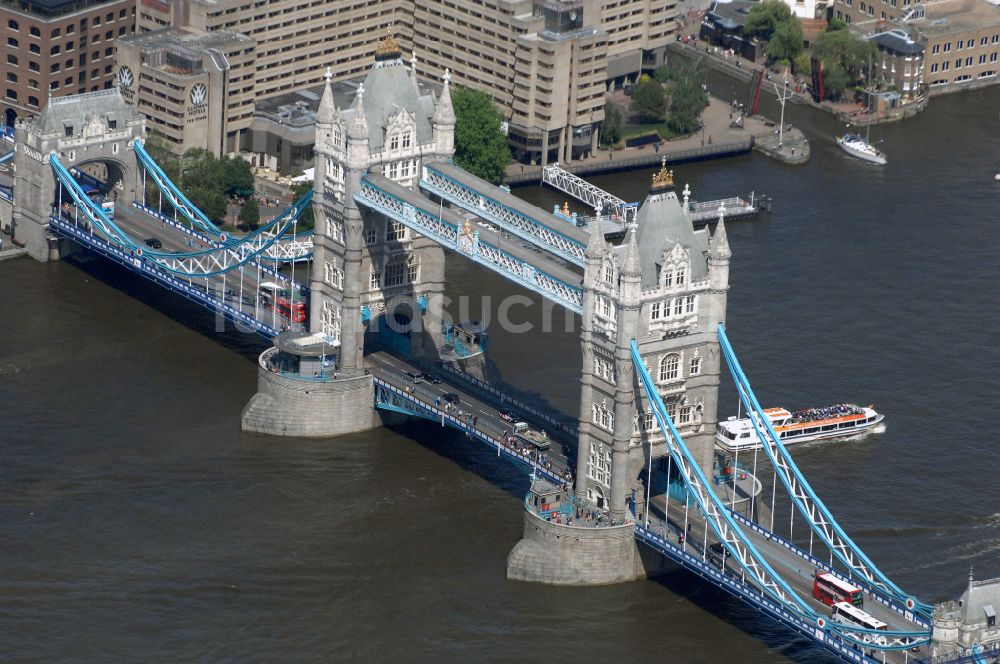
pixel 153 242
pixel 450 397
pixel 431 378
pixel 507 416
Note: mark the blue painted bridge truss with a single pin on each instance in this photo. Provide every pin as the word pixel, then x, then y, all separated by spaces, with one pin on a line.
pixel 392 201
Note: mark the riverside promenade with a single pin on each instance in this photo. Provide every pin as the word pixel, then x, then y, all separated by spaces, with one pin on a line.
pixel 718 139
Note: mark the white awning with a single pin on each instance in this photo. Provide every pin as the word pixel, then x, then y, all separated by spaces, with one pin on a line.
pixel 990 613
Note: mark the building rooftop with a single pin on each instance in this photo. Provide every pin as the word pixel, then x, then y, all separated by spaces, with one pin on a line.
pixel 948 17
pixel 181 50
pixel 76 111
pixel 897 41
pixel 51 8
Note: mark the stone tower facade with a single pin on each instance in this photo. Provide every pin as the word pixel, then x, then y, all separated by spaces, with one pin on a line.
pixel 92 131
pixel 367 266
pixel 665 287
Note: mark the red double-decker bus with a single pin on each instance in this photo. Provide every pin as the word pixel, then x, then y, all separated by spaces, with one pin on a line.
pixel 830 590
pixel 279 300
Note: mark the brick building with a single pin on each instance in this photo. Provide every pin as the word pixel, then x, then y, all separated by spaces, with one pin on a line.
pixel 58 47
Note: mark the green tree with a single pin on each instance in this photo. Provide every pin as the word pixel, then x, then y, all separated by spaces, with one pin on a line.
pixel 661 74
pixel 480 145
pixel 764 18
pixel 611 132
pixel 802 64
pixel 308 219
pixel 648 100
pixel 845 58
pixel 238 176
pixel 786 41
pixel 250 214
pixel 687 100
pixel 835 24
pixel 210 201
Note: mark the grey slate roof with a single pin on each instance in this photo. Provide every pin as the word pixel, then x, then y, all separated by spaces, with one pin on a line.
pixel 77 110
pixel 977 597
pixel 661 224
pixel 388 89
pixel 896 43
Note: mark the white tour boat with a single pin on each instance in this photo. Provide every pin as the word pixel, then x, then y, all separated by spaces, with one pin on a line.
pixel 800 426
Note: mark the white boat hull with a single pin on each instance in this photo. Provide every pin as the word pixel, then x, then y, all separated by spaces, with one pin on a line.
pixel 754 444
pixel 870 155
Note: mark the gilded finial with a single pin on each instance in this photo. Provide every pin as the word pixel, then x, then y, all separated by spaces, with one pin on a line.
pixel 565 208
pixel 389 47
pixel 663 178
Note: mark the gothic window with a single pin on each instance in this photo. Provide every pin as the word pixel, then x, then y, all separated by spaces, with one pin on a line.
pixel 672 410
pixel 694 367
pixel 394 142
pixel 333 275
pixel 394 273
pixel 655 310
pixel 604 308
pixel 331 167
pixel 669 367
pixel 393 171
pixel 648 422
pixel 689 305
pixel 599 464
pixel 375 281
pixel 603 417
pixel 413 270
pixel 406 139
pixel 609 274
pixel 604 368
pixel 679 306
pixel 330 320
pixel 685 415
pixel 668 278
pixel 337 137
pixel 371 235
pixel 395 231
pixel 680 276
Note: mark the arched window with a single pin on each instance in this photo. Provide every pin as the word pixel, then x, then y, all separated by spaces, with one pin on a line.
pixel 12 24
pixel 407 138
pixel 609 274
pixel 669 366
pixel 394 142
pixel 680 276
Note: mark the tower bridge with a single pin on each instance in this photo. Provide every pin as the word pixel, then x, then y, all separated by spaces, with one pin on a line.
pixel 629 486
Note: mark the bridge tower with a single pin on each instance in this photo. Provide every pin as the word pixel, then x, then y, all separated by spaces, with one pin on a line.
pixel 92 132
pixel 665 287
pixel 373 280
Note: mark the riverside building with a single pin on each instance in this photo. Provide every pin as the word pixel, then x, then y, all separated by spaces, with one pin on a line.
pixel 195 88
pixel 546 63
pixel 52 48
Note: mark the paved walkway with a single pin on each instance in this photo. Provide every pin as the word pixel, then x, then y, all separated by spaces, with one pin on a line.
pixel 719 129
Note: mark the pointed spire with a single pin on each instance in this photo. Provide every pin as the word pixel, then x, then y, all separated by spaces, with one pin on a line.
pixel 631 266
pixel 720 241
pixel 359 128
pixel 596 245
pixel 327 107
pixel 444 113
pixel 413 72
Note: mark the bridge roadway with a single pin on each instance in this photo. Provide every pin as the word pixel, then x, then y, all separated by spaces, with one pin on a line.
pixel 795 568
pixel 239 292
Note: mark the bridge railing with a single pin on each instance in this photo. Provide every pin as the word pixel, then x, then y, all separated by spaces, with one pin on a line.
pixel 505 398
pixel 431 412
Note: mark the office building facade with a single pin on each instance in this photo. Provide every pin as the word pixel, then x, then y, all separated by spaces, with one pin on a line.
pixel 53 48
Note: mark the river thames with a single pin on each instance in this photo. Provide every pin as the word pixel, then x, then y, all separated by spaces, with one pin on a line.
pixel 139 524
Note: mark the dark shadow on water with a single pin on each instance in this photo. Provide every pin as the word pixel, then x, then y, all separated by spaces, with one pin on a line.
pixel 752 622
pixel 174 306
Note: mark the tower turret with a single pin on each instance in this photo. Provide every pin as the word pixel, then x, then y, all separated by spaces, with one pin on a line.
pixel 444 118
